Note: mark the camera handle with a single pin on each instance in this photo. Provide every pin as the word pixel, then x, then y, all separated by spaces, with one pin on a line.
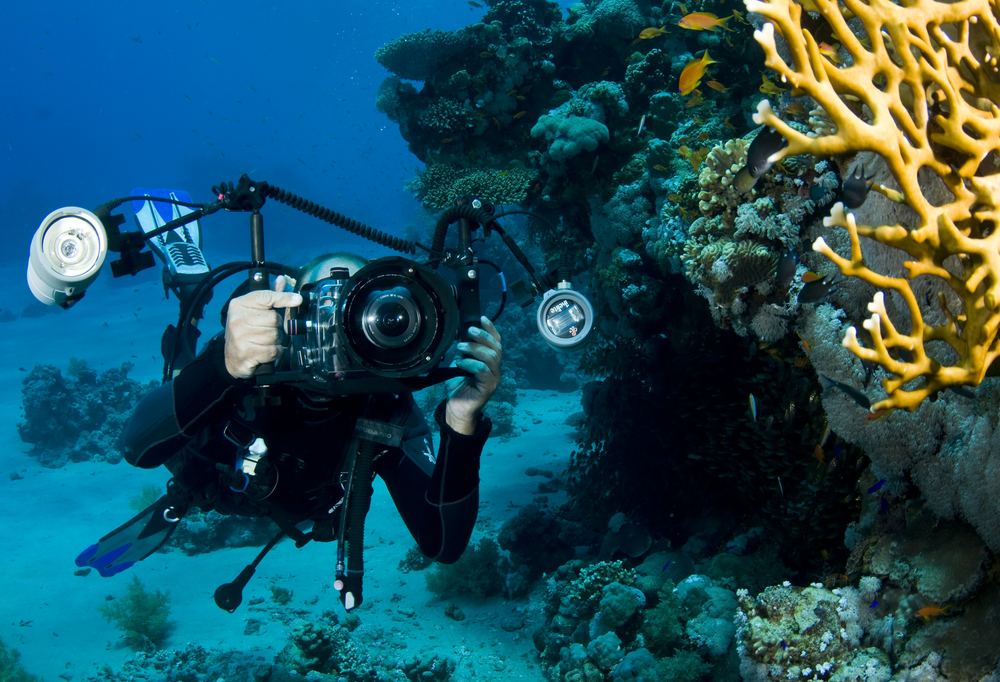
pixel 245 196
pixel 467 271
pixel 259 280
pixel 259 277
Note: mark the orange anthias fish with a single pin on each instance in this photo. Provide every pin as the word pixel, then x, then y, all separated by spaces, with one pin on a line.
pixel 703 21
pixel 831 53
pixel 692 73
pixel 651 32
pixel 767 87
pixel 695 100
pixel 717 86
pixel 929 612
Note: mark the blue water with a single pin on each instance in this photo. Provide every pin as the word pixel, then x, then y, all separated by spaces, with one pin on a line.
pixel 98 98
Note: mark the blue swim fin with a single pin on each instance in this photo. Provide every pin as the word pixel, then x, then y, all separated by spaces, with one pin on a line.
pixel 133 541
pixel 184 264
pixel 179 249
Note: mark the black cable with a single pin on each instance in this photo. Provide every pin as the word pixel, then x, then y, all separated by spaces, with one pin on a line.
pixel 455 213
pixel 208 283
pixel 334 218
pixel 531 213
pixel 503 291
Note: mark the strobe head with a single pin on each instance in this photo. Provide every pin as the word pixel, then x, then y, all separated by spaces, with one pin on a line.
pixel 565 318
pixel 400 317
pixel 66 255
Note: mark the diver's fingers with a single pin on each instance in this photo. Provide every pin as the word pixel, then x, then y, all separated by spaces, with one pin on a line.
pixel 283 283
pixel 268 300
pixel 487 335
pixel 481 353
pixel 485 377
pixel 487 324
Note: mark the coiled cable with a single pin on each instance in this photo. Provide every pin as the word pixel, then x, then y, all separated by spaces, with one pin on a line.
pixel 334 218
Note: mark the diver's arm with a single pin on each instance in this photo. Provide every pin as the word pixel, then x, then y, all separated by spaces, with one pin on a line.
pixel 438 498
pixel 169 415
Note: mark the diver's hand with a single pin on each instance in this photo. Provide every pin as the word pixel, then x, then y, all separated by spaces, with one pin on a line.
pixel 466 395
pixel 252 328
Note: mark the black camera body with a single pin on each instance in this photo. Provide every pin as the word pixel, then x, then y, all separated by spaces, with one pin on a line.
pixel 394 319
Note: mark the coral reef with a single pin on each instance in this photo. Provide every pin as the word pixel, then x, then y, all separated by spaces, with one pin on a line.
pixel 199 532
pixel 321 648
pixel 600 626
pixel 78 417
pixel 194 662
pixel 730 449
pixel 875 631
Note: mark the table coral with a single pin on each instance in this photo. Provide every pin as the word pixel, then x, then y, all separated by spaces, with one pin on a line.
pixel 417 56
pixel 440 184
pixel 920 89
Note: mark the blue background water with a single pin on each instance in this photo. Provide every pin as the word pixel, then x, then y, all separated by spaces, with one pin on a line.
pixel 99 98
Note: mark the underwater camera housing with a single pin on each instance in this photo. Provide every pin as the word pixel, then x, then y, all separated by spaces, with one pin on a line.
pixel 394 318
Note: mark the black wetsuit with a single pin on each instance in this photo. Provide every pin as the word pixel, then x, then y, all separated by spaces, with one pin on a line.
pixel 181 424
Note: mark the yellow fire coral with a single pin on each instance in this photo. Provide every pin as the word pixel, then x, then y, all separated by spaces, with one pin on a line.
pixel 922 91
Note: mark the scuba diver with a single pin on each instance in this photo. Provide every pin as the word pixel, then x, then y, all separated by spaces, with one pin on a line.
pixel 303 456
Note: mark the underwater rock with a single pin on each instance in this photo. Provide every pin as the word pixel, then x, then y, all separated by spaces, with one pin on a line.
pixel 629 537
pixel 943 560
pixel 533 539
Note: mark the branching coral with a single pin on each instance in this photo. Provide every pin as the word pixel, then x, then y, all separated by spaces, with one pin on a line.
pixel 921 91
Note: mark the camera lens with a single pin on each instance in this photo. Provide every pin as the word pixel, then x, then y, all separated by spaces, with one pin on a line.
pixel 391 318
pixel 399 317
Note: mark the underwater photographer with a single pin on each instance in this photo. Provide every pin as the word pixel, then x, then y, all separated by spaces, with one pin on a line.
pixel 307 394
pixel 204 420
